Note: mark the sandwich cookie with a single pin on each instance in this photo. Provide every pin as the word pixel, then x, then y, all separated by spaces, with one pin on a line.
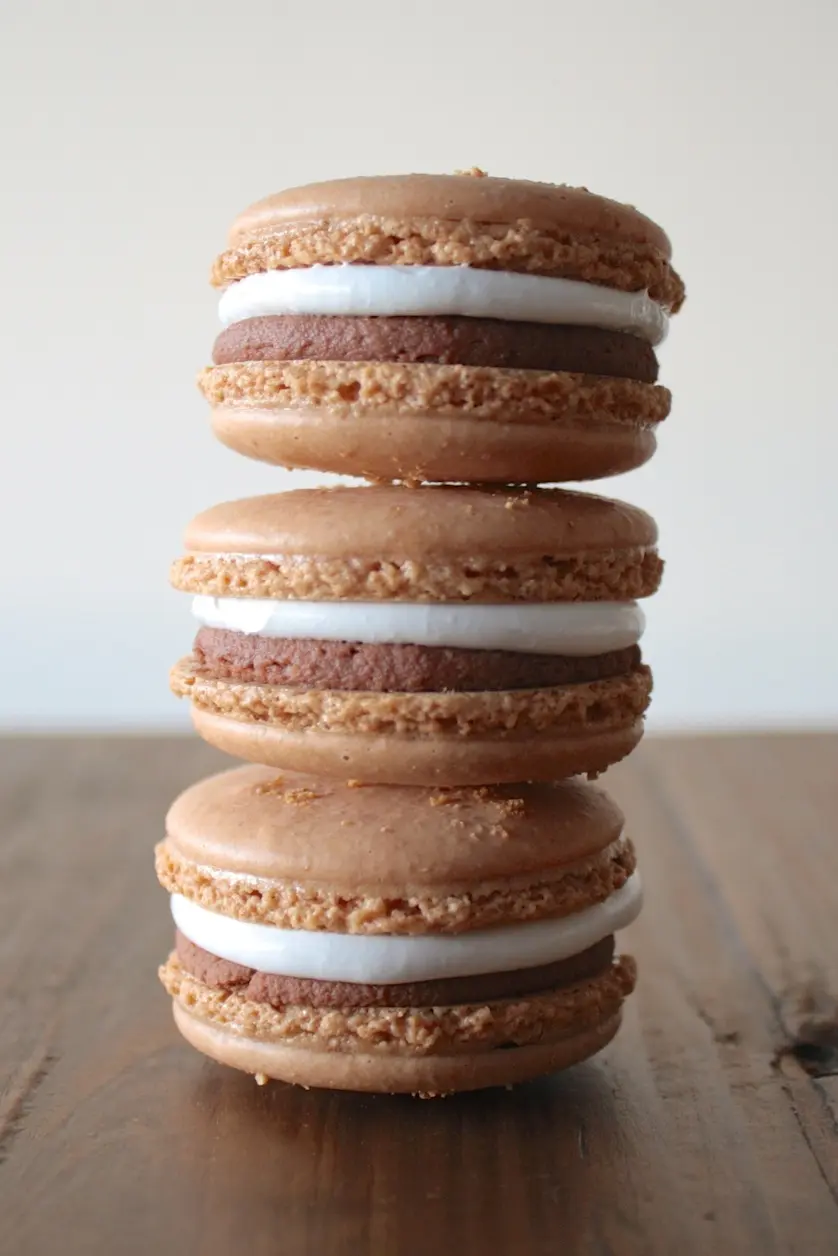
pixel 395 939
pixel 442 328
pixel 438 635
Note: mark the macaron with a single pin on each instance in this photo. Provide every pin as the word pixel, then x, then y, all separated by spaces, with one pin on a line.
pixel 425 636
pixel 442 328
pixel 393 939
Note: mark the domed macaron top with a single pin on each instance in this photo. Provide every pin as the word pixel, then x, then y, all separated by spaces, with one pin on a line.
pixel 391 522
pixel 474 198
pixel 374 839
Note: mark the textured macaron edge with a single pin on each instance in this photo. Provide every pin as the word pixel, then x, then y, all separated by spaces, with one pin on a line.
pixel 591 705
pixel 450 391
pixel 289 904
pixel 423 1031
pixel 629 266
pixel 605 575
pixel 425 1077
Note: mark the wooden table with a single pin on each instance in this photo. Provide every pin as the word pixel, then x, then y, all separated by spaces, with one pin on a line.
pixel 710 1126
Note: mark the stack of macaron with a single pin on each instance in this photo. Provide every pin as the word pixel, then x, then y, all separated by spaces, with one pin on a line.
pixel 415 889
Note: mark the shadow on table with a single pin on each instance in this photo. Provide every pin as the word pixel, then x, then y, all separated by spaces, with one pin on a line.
pixel 365 1167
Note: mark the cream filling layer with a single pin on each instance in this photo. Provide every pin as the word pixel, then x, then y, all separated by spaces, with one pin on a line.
pixel 348 289
pixel 377 959
pixel 575 629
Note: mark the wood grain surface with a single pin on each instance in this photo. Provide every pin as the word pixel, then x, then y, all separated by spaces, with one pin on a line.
pixel 710 1125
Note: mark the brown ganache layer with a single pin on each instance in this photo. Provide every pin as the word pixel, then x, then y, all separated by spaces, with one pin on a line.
pixel 449 340
pixel 300 991
pixel 222 654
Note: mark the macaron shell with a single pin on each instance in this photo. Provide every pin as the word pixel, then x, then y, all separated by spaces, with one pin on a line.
pixel 474 197
pixel 491 396
pixel 428 449
pixel 419 1075
pixel 439 761
pixel 391 523
pixel 429 422
pixel 302 827
pixel 393 909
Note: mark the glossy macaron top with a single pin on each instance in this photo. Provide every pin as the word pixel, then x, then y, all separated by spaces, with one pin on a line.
pixel 395 523
pixel 374 839
pixel 469 196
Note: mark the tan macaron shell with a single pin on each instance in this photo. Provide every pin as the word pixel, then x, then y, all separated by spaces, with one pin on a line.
pixel 434 423
pixel 426 544
pixel 442 760
pixel 363 839
pixel 307 852
pixel 379 421
pixel 415 524
pixel 428 1076
pixel 472 197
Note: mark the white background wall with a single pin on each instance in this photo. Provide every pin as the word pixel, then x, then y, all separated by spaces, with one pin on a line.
pixel 134 133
